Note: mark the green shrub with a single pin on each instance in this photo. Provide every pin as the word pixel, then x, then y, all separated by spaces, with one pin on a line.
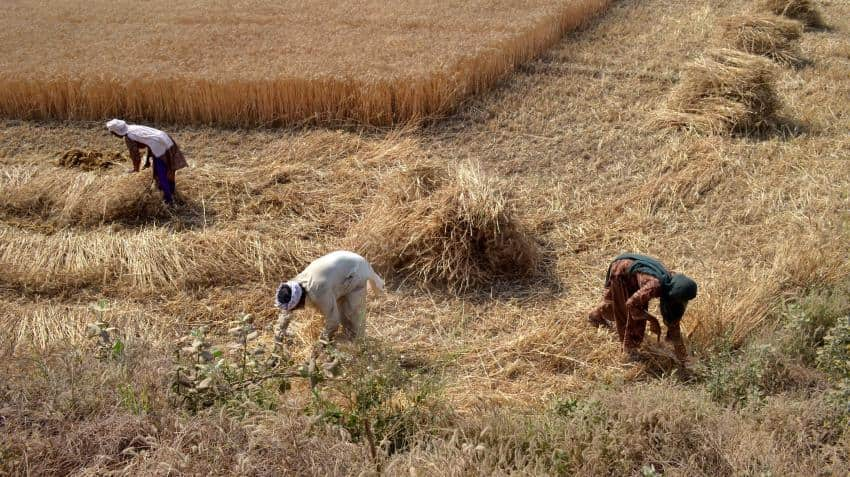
pixel 833 358
pixel 204 375
pixel 780 359
pixel 807 321
pixel 377 395
pixel 746 376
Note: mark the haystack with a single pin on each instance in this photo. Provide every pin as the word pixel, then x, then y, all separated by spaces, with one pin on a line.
pixel 804 10
pixel 89 160
pixel 724 91
pixel 449 229
pixel 764 34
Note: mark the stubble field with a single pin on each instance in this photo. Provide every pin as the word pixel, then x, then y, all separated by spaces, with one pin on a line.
pixel 490 377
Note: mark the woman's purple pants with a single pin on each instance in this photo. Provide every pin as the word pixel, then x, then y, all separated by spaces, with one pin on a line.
pixel 160 170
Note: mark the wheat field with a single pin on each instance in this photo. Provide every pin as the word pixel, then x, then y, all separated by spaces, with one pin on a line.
pixel 267 63
pixel 475 363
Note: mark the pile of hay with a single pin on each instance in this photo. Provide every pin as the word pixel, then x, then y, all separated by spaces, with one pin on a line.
pixel 89 160
pixel 449 229
pixel 803 10
pixel 66 198
pixel 764 34
pixel 724 91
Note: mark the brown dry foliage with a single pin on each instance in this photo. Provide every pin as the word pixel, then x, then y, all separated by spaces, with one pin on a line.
pixel 144 263
pixel 767 35
pixel 724 91
pixel 66 198
pixel 454 229
pixel 619 432
pixel 804 10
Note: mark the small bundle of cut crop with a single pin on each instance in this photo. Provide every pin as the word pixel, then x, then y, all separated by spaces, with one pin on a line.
pixel 764 34
pixel 451 229
pixel 89 160
pixel 803 10
pixel 724 91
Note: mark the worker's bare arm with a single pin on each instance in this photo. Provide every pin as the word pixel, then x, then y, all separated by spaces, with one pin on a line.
pixel 638 304
pixel 283 320
pixel 135 154
pixel 674 335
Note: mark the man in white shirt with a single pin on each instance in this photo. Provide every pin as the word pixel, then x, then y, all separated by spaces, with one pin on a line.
pixel 334 284
pixel 167 157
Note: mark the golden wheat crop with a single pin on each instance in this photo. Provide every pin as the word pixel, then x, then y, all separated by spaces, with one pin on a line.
pixel 326 61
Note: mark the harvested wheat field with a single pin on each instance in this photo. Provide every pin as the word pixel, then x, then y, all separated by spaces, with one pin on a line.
pixel 126 348
pixel 262 63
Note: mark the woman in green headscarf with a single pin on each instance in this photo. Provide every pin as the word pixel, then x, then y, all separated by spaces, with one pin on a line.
pixel 631 282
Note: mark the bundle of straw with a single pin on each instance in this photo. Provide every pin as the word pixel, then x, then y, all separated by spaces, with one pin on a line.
pixel 764 34
pixel 450 229
pixel 89 160
pixel 724 91
pixel 803 10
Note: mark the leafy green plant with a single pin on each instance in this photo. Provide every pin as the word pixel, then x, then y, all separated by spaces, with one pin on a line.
pixel 744 377
pixel 565 407
pixel 205 375
pixel 808 319
pixel 378 401
pixel 197 366
pixel 834 359
pixel 107 340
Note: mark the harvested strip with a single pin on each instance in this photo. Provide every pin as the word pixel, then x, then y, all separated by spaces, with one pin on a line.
pixel 64 197
pixel 151 261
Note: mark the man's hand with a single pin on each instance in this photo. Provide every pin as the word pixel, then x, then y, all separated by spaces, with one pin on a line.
pixel 654 327
pixel 681 352
pixel 280 328
pixel 674 336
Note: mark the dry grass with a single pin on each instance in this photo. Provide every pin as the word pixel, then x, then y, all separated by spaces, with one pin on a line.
pixel 621 432
pixel 150 262
pixel 755 220
pixel 453 229
pixel 804 10
pixel 724 91
pixel 767 35
pixel 67 198
pixel 323 62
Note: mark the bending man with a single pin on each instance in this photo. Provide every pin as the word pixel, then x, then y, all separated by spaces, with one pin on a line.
pixel 631 282
pixel 334 284
pixel 167 157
